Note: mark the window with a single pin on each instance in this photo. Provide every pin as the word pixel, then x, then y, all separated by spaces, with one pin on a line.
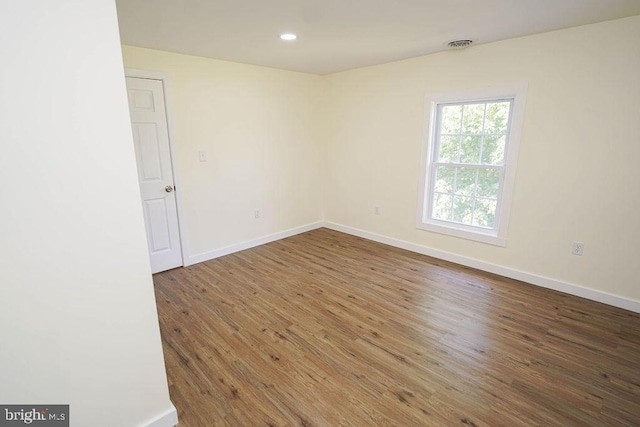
pixel 468 164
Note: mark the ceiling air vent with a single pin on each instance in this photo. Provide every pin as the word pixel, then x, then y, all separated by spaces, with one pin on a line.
pixel 459 44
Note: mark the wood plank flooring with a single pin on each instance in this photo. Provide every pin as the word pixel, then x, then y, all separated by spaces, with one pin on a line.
pixel 326 329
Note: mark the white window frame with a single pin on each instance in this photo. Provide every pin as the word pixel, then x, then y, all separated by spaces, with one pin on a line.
pixel 498 235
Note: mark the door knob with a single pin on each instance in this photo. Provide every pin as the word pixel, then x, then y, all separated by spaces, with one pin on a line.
pixel 168 188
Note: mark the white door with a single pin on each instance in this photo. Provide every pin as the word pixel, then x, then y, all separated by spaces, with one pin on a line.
pixel 155 173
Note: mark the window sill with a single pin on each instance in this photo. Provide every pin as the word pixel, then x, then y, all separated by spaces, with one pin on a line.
pixel 463 232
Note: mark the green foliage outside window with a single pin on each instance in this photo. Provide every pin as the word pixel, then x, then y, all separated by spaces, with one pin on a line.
pixel 469 162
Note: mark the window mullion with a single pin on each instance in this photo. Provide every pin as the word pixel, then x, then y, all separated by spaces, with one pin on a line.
pixel 460 134
pixel 453 193
pixel 475 196
pixel 469 165
pixel 484 121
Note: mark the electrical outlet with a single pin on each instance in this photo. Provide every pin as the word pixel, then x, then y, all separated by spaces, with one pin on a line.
pixel 376 210
pixel 256 214
pixel 577 248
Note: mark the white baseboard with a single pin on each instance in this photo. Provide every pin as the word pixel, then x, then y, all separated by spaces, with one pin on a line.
pixel 168 418
pixel 534 279
pixel 195 259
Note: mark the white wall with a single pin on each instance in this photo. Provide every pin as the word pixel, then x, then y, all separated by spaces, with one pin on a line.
pixel 577 176
pixel 259 128
pixel 78 323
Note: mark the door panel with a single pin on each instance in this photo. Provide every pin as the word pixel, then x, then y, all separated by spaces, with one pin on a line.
pixel 155 173
pixel 156 212
pixel 148 150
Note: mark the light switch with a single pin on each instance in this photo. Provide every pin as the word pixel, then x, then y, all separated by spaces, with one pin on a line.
pixel 202 156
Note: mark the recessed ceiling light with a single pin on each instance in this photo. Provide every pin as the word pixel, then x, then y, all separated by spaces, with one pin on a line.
pixel 288 36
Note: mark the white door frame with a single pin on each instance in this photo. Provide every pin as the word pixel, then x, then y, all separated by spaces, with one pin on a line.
pixel 164 78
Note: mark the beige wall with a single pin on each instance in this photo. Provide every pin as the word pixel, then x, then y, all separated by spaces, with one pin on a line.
pixel 577 176
pixel 259 128
pixel 305 148
pixel 78 321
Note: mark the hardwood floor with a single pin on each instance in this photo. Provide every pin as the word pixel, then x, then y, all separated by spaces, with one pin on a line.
pixel 326 329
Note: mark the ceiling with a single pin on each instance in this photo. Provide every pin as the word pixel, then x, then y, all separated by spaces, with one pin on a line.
pixel 337 35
